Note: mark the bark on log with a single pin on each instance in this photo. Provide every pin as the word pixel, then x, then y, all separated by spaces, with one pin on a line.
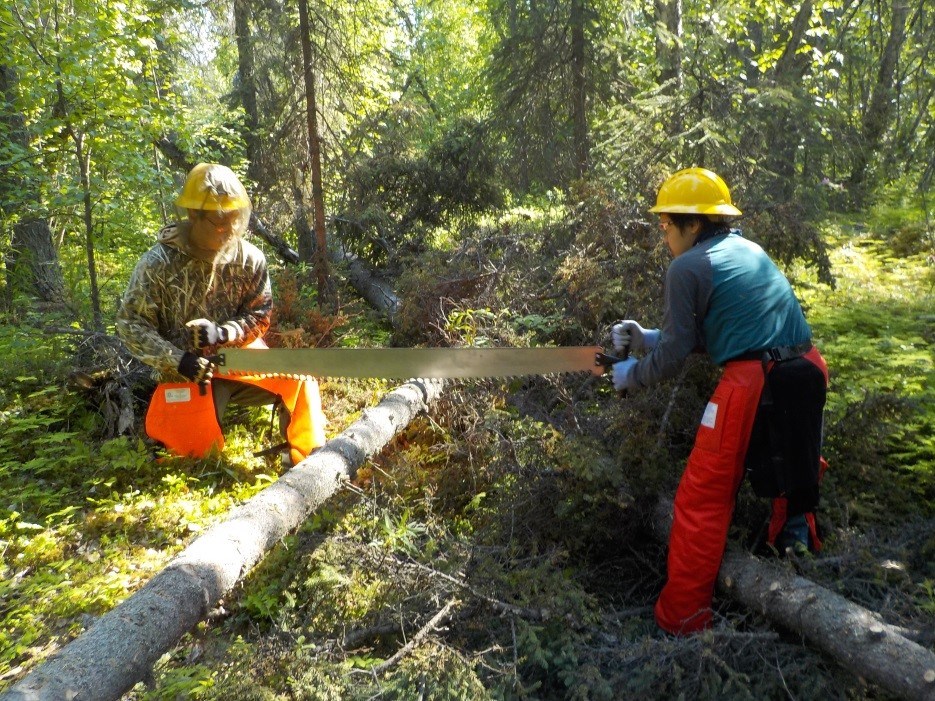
pixel 121 648
pixel 377 292
pixel 283 249
pixel 854 636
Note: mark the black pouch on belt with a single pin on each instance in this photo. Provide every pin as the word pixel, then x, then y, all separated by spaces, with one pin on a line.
pixel 785 444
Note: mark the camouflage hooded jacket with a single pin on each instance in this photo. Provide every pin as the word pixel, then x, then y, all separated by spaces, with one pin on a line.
pixel 171 286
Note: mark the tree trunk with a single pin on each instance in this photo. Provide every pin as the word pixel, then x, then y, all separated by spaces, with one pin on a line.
pixel 668 18
pixel 787 74
pixel 853 636
pixel 84 163
pixel 247 88
pixel 785 71
pixel 32 265
pixel 378 293
pixel 314 143
pixel 880 106
pixel 579 88
pixel 122 646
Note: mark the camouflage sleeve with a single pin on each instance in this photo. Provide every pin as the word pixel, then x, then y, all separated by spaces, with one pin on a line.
pixel 138 322
pixel 252 319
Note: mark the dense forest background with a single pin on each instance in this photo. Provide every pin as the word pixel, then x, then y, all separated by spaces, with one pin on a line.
pixel 492 164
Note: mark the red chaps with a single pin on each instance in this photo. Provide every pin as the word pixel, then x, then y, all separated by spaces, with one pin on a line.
pixel 704 501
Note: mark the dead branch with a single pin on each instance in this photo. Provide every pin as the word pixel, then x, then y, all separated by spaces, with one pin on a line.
pixel 501 606
pixel 435 621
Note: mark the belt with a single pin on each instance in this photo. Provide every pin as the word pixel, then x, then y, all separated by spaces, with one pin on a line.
pixel 777 354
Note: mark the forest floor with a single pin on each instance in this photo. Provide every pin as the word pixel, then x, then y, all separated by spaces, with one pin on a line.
pixel 519 509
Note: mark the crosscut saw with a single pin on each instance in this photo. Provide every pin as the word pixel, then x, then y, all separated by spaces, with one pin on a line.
pixel 407 363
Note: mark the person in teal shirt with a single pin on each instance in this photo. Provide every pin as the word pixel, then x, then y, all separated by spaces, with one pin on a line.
pixel 726 297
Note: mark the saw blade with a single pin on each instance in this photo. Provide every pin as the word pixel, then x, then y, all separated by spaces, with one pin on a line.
pixel 406 363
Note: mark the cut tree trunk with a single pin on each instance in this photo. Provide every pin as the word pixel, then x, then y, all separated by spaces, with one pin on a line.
pixel 853 636
pixel 121 648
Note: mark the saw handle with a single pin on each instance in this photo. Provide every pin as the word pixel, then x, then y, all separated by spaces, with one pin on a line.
pixel 606 361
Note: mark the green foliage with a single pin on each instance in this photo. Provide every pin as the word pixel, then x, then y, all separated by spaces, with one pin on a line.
pixel 903 221
pixel 85 522
pixel 28 354
pixel 402 192
pixel 182 682
pixel 876 333
pixel 450 677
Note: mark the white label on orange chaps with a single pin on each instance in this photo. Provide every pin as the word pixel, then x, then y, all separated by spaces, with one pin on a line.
pixel 181 394
pixel 710 415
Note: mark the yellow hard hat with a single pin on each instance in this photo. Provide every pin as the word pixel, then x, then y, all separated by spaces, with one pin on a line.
pixel 213 187
pixel 695 191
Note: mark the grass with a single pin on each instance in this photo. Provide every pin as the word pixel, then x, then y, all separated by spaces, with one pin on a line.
pixel 876 329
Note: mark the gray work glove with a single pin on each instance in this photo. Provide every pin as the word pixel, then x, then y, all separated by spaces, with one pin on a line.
pixel 629 333
pixel 624 375
pixel 206 333
pixel 196 368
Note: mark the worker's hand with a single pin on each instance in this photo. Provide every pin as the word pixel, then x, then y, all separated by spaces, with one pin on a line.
pixel 629 333
pixel 206 333
pixel 624 374
pixel 196 368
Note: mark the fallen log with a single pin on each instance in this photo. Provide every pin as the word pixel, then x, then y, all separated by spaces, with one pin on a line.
pixel 283 249
pixel 377 292
pixel 853 636
pixel 121 648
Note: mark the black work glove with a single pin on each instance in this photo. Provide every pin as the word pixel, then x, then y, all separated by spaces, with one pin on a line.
pixel 196 368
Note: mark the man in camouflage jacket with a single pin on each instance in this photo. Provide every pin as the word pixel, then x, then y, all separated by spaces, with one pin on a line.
pixel 200 288
pixel 174 283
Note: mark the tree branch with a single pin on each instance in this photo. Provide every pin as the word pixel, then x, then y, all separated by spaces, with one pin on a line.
pixel 417 638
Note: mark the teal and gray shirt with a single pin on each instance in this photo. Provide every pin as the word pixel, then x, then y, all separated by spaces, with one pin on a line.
pixel 172 285
pixel 726 296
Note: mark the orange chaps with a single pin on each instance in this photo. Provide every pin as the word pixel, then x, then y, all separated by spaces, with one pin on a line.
pixel 182 415
pixel 704 501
